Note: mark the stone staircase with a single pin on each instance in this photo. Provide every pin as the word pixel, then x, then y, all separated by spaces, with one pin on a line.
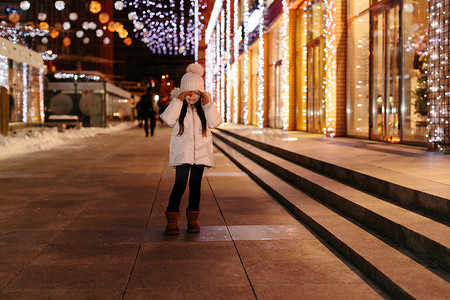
pixel 397 235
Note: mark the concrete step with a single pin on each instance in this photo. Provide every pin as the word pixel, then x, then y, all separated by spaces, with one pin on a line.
pixel 399 274
pixel 428 197
pixel 426 237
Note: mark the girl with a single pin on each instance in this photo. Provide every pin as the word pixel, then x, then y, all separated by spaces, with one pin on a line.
pixel 191 114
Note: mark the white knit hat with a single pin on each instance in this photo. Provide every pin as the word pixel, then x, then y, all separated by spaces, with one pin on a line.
pixel 193 80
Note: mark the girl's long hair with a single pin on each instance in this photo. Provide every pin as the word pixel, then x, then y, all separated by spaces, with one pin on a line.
pixel 200 112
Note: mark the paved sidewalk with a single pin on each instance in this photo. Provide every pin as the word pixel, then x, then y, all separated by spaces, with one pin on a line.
pixel 87 221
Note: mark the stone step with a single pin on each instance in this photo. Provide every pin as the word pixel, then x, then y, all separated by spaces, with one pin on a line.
pixel 426 237
pixel 399 274
pixel 428 197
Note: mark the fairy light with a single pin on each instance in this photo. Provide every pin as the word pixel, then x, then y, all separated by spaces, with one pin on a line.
pixel 4 71
pixel 285 65
pixel 209 68
pixel 167 27
pixel 41 95
pixel 438 103
pixel 236 62
pixel 182 37
pixel 245 62
pixel 260 112
pixel 217 69
pixel 196 31
pixel 228 58
pixel 25 93
pixel 330 66
pixel 222 65
pixel 305 66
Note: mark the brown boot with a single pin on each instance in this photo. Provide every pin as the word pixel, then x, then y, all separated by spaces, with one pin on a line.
pixel 172 225
pixel 192 221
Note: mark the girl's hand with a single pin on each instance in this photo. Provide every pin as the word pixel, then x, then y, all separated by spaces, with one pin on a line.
pixel 206 97
pixel 182 96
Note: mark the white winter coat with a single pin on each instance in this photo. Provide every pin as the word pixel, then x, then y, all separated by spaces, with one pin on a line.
pixel 191 147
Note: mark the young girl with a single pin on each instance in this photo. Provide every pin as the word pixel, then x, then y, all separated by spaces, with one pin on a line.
pixel 191 114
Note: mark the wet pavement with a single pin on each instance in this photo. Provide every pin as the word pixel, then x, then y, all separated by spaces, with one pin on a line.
pixel 87 221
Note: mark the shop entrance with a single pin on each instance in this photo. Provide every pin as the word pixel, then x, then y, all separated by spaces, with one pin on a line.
pixel 385 59
pixel 316 93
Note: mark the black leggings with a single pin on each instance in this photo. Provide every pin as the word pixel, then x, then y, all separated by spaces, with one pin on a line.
pixel 195 182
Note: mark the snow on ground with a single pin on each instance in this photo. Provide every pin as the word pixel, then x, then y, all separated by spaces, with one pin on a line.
pixel 49 138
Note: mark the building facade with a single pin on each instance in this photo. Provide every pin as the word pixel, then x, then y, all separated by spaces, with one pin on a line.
pixel 22 74
pixel 358 68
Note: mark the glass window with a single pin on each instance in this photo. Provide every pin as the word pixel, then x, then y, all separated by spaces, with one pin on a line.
pixel 301 67
pixel 316 20
pixel 355 7
pixel 415 58
pixel 254 82
pixel 358 76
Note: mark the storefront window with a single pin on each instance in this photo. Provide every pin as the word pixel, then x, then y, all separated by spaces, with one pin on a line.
pixel 355 7
pixel 274 113
pixel 16 90
pixel 254 83
pixel 316 101
pixel 316 20
pixel 34 96
pixel 358 76
pixel 301 69
pixel 415 58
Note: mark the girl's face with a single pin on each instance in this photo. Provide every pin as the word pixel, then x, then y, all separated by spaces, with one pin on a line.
pixel 192 97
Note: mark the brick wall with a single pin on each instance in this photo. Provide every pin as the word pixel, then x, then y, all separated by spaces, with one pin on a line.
pixel 341 67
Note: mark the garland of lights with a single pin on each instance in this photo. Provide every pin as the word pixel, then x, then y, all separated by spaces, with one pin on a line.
pixel 196 31
pixel 228 58
pixel 330 66
pixel 246 34
pixel 222 65
pixel 305 65
pixel 19 32
pixel 158 21
pixel 438 103
pixel 217 69
pixel 4 71
pixel 285 66
pixel 260 112
pixel 25 93
pixel 236 62
pixel 41 94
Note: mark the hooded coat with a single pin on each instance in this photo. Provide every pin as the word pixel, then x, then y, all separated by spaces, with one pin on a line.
pixel 191 147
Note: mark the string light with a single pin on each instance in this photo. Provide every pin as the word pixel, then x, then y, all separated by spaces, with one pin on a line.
pixel 260 112
pixel 41 94
pixel 285 65
pixel 228 59
pixel 25 93
pixel 4 71
pixel 48 55
pixel 330 67
pixel 236 61
pixel 438 103
pixel 245 62
pixel 158 23
pixel 196 39
pixel 222 64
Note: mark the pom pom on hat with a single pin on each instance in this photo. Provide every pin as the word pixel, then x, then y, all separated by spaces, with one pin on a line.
pixel 195 68
pixel 192 80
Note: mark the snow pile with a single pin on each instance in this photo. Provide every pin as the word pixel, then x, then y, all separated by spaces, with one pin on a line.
pixel 49 138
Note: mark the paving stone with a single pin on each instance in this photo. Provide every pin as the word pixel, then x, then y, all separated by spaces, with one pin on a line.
pixel 92 227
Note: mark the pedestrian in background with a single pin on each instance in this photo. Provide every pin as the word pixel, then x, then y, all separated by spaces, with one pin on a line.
pixel 191 114
pixel 139 112
pixel 148 111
